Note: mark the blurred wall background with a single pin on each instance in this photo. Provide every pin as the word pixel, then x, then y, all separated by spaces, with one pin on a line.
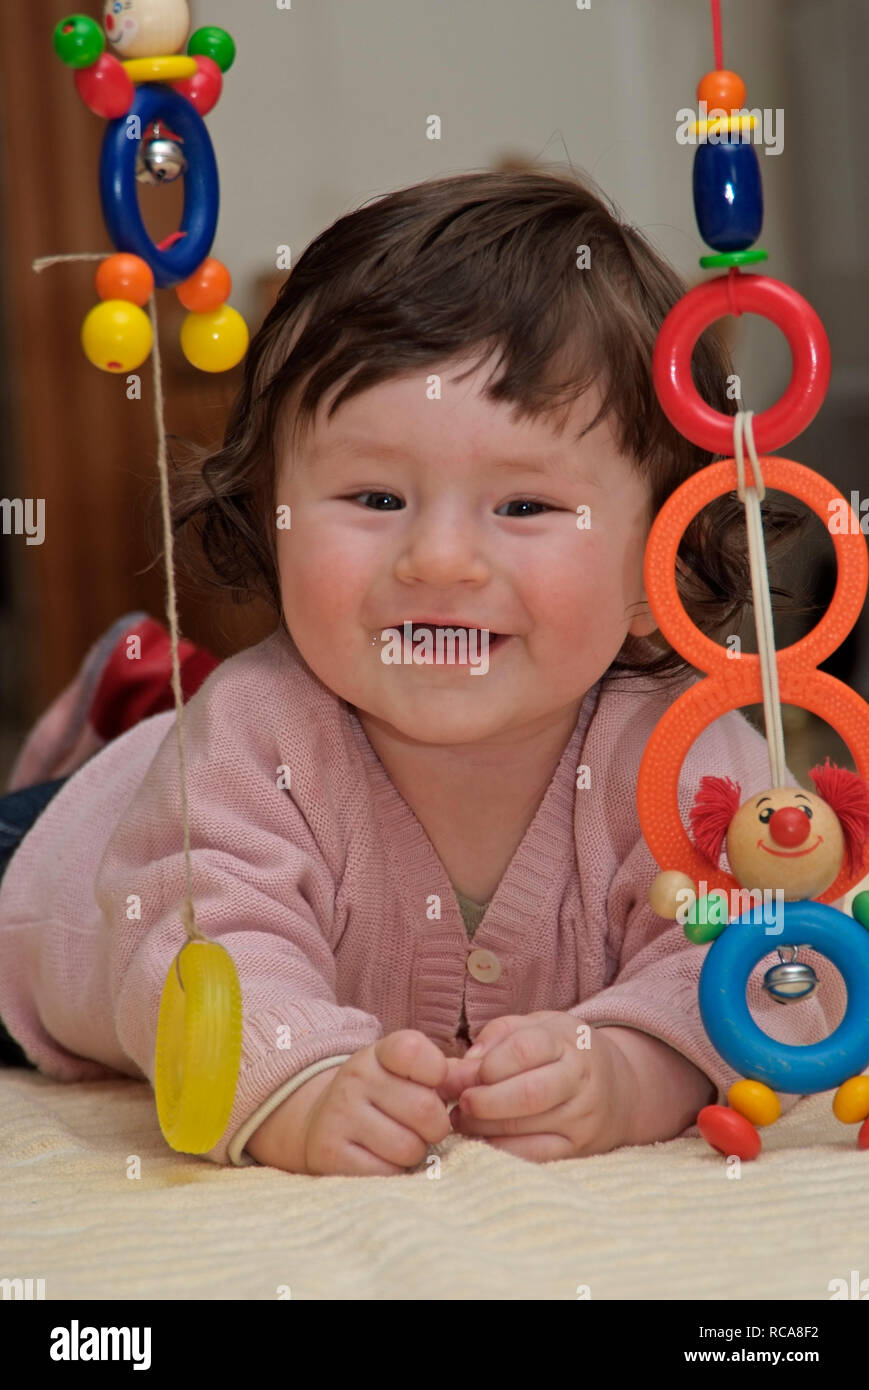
pixel 326 107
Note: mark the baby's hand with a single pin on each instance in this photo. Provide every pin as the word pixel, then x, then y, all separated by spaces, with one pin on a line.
pixel 382 1109
pixel 541 1097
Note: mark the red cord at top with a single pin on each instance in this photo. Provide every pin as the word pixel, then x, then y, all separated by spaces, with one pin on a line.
pixel 716 34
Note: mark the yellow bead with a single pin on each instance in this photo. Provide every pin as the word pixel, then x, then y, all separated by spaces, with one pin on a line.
pixel 216 341
pixel 116 335
pixel 173 67
pixel 719 125
pixel 851 1101
pixel 755 1101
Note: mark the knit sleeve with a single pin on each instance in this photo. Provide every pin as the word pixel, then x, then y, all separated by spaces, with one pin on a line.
pixel 656 982
pixel 262 888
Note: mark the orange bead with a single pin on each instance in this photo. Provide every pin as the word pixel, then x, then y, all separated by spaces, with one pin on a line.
pixel 722 89
pixel 125 277
pixel 729 1132
pixel 207 288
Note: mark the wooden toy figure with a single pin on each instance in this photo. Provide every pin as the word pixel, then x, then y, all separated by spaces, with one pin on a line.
pixel 145 28
pixel 154 98
pixel 806 849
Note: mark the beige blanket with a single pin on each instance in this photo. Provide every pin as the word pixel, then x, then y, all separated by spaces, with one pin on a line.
pixel 661 1222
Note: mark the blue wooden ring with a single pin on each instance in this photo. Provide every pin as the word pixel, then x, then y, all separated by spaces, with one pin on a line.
pixel 733 1032
pixel 119 191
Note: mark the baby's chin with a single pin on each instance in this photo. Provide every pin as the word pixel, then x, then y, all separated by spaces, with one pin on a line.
pixel 440 719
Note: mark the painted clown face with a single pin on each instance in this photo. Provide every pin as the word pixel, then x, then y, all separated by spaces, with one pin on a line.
pixel 786 839
pixel 145 28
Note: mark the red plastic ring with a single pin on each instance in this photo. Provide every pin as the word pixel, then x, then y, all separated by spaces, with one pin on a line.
pixel 674 348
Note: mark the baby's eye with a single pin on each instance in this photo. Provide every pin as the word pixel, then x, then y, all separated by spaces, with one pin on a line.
pixel 379 495
pixel 527 502
pixel 766 814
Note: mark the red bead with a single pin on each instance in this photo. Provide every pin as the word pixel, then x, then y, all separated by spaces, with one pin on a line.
pixel 863 1135
pixel 729 1132
pixel 105 88
pixel 736 293
pixel 203 89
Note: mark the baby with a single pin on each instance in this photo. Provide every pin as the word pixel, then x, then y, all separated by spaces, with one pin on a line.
pixel 447 445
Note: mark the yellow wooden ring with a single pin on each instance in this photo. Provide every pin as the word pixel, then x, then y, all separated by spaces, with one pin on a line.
pixel 851 1101
pixel 172 68
pixel 755 1100
pixel 198 1047
pixel 722 124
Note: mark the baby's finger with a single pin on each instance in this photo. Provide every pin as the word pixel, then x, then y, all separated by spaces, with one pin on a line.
pixel 411 1055
pixel 460 1075
pixel 529 1095
pixel 521 1050
pixel 494 1031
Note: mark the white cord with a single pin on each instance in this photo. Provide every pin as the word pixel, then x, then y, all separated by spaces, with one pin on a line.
pixel 186 911
pixel 751 497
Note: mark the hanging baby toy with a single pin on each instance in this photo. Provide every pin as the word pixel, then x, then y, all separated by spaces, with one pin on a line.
pixel 154 98
pixel 805 848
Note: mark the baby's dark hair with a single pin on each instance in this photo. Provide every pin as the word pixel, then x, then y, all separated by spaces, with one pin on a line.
pixel 450 269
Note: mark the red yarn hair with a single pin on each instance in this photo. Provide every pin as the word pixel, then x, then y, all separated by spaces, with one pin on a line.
pixel 714 807
pixel 848 797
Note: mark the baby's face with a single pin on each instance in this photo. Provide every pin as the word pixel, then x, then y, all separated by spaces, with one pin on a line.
pixel 403 509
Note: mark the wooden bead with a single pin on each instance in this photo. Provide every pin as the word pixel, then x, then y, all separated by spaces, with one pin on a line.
pixel 851 1101
pixel 729 1132
pixel 157 28
pixel 756 1101
pixel 860 909
pixel 722 88
pixel 664 893
pixel 728 197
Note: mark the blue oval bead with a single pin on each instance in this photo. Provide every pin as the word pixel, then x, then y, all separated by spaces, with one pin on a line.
pixel 728 198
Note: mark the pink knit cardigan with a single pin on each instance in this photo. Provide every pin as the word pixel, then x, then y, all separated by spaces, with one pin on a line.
pixel 340 918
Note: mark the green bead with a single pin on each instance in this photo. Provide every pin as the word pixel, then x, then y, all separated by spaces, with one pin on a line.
pixel 722 259
pixel 78 41
pixel 706 919
pixel 860 909
pixel 215 43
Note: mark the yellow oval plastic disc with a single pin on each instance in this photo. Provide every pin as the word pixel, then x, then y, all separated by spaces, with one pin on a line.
pixel 198 1047
pixel 173 67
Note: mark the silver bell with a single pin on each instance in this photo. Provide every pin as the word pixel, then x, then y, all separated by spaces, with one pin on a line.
pixel 160 161
pixel 790 980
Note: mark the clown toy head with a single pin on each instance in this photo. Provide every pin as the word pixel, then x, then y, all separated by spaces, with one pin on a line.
pixel 145 28
pixel 785 839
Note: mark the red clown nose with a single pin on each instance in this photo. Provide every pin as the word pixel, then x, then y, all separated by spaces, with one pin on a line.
pixel 789 827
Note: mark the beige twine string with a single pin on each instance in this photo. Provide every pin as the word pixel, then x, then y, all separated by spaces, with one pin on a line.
pixel 186 911
pixel 751 497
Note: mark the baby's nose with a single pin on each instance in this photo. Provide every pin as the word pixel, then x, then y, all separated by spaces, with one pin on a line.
pixel 789 826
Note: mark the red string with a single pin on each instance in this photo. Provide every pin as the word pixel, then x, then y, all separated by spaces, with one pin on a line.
pixel 732 276
pixel 716 34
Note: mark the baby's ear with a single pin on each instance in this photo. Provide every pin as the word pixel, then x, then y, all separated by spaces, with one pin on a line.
pixel 642 624
pixel 716 803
